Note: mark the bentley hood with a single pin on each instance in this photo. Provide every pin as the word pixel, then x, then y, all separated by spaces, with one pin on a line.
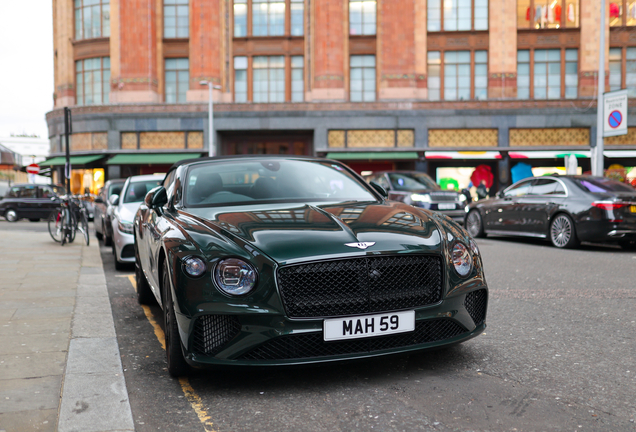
pixel 297 232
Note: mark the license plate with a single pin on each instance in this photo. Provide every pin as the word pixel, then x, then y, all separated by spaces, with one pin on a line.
pixel 632 209
pixel 446 206
pixel 368 325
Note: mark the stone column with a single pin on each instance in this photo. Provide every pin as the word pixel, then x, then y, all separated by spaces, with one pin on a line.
pixel 588 54
pixel 502 49
pixel 330 40
pixel 63 35
pixel 136 77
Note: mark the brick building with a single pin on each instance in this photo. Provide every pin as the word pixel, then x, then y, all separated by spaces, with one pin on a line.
pixel 380 84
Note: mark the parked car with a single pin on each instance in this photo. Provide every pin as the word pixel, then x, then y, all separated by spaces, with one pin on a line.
pixel 30 201
pixel 564 209
pixel 124 207
pixel 103 210
pixel 420 190
pixel 270 261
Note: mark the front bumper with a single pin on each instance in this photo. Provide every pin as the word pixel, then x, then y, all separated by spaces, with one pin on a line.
pixel 260 339
pixel 123 244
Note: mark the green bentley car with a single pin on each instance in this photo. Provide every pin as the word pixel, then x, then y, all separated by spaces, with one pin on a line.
pixel 282 260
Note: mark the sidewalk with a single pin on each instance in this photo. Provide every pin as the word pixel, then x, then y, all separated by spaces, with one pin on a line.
pixel 60 367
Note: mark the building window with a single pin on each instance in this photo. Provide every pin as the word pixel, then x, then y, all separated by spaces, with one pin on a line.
pixel 457 80
pixel 268 79
pixel 297 79
pixel 542 14
pixel 622 13
pixel 297 18
pixel 240 79
pixel 268 18
pixel 457 15
pixel 176 19
pixel 240 18
pixel 615 68
pixel 92 19
pixel 362 78
pixel 619 79
pixel 92 81
pixel 546 77
pixel 362 17
pixel 177 80
pixel 630 72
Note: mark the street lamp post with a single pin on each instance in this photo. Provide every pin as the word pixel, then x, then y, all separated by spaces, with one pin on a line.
pixel 210 84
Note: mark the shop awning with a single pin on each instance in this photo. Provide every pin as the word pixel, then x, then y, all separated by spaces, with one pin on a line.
pixel 373 155
pixel 462 155
pixel 620 153
pixel 151 159
pixel 75 160
pixel 541 154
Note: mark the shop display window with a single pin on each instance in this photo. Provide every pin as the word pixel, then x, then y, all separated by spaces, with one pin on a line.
pixel 547 14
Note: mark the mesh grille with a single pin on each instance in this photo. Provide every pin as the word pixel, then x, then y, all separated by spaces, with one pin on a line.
pixel 128 251
pixel 312 345
pixel 212 332
pixel 360 285
pixel 475 304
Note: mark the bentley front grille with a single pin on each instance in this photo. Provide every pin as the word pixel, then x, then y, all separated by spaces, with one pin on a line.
pixel 476 303
pixel 312 345
pixel 212 332
pixel 360 285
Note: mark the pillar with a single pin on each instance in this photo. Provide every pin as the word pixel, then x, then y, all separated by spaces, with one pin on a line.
pixel 502 49
pixel 63 34
pixel 329 50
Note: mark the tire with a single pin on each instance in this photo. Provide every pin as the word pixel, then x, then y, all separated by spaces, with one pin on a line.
pixel 98 235
pixel 144 293
pixel 84 227
pixel 177 365
pixel 72 229
pixel 11 215
pixel 108 241
pixel 475 224
pixel 55 225
pixel 563 232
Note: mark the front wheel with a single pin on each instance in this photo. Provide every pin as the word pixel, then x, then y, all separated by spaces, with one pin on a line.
pixel 144 293
pixel 55 225
pixel 475 224
pixel 84 227
pixel 562 232
pixel 108 240
pixel 177 365
pixel 11 215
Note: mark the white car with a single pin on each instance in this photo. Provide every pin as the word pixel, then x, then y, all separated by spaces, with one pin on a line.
pixel 124 208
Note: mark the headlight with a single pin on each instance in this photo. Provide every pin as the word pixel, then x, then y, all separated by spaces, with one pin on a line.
pixel 234 276
pixel 193 266
pixel 462 197
pixel 421 198
pixel 461 259
pixel 125 227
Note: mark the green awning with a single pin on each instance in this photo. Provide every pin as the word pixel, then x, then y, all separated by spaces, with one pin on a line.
pixel 151 159
pixel 373 155
pixel 75 160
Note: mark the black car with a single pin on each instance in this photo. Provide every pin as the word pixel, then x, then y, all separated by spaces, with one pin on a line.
pixel 103 210
pixel 565 209
pixel 30 201
pixel 420 190
pixel 271 261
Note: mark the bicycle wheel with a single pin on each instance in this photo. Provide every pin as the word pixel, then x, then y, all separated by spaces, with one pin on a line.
pixel 55 224
pixel 64 226
pixel 72 229
pixel 84 225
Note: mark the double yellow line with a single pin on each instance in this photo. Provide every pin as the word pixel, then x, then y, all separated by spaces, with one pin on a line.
pixel 190 394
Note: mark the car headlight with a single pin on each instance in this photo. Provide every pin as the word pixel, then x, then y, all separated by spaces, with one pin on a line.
pixel 125 227
pixel 462 198
pixel 421 198
pixel 193 266
pixel 234 276
pixel 461 259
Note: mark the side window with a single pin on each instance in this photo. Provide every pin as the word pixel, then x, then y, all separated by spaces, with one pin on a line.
pixel 14 192
pixel 559 190
pixel 29 192
pixel 519 189
pixel 382 181
pixel 46 192
pixel 543 187
pixel 115 190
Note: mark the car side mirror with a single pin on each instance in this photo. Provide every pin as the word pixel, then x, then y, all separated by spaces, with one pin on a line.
pixel 98 200
pixel 156 197
pixel 113 200
pixel 379 189
pixel 500 194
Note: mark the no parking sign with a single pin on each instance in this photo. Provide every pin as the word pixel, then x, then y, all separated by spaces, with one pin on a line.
pixel 615 113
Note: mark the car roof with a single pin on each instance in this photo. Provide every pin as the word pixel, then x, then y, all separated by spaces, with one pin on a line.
pixel 145 177
pixel 254 157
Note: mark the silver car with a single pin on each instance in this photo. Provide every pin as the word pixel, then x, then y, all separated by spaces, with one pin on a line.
pixel 124 208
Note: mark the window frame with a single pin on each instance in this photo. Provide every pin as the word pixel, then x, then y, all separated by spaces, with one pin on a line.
pixel 375 30
pixel 81 8
pixel 375 75
pixel 472 18
pixel 563 61
pixel 287 21
pixel 625 13
pixel 105 83
pixel 532 23
pixel 287 59
pixel 442 80
pixel 175 5
pixel 165 81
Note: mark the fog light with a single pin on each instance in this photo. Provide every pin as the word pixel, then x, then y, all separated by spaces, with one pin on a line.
pixel 234 276
pixel 193 266
pixel 461 259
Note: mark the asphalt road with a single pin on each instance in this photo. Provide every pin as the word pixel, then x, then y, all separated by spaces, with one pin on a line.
pixel 559 354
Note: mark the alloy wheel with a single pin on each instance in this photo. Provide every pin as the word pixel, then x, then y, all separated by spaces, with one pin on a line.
pixel 561 231
pixel 474 224
pixel 11 215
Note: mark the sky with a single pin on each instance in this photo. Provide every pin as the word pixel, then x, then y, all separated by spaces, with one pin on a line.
pixel 26 66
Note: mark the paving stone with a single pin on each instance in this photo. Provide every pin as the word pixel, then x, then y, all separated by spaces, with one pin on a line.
pixel 31 365
pixel 33 394
pixel 34 420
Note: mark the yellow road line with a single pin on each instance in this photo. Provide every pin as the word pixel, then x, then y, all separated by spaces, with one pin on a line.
pixel 188 391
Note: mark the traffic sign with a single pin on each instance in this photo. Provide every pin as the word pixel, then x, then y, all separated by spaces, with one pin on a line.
pixel 615 113
pixel 33 169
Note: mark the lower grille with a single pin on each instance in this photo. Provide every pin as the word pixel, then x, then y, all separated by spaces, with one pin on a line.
pixel 212 332
pixel 360 285
pixel 128 251
pixel 312 345
pixel 476 303
pixel 437 197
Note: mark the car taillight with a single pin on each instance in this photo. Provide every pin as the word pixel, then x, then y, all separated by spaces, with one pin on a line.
pixel 609 205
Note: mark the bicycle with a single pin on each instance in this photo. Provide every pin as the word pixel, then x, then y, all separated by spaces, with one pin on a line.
pixel 63 221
